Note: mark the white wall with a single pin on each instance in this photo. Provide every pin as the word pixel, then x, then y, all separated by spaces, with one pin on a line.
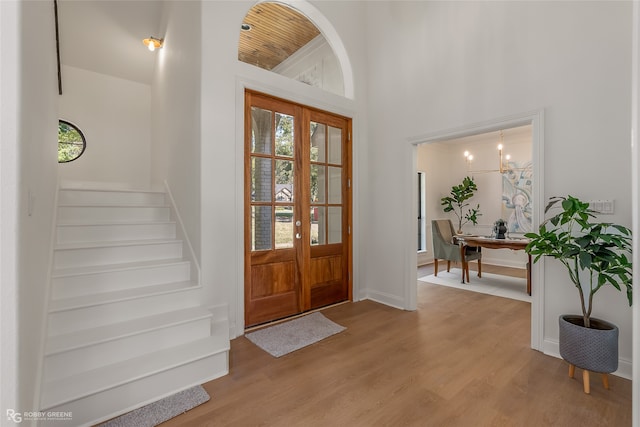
pixel 432 159
pixel 36 112
pixel 635 164
pixel 314 64
pixel 175 103
pixel 9 149
pixel 454 64
pixel 115 117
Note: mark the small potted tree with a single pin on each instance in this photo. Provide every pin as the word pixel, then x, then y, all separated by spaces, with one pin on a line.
pixel 456 202
pixel 595 254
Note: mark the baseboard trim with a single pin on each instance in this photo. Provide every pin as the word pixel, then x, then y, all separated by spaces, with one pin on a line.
pixel 384 298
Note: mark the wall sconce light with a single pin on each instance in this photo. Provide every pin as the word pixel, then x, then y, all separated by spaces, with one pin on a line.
pixel 469 157
pixel 153 43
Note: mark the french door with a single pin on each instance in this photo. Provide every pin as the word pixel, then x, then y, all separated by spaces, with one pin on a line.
pixel 297 208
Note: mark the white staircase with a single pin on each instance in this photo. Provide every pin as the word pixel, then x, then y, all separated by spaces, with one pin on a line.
pixel 125 324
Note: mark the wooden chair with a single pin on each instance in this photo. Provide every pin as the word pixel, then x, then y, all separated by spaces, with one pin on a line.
pixel 445 248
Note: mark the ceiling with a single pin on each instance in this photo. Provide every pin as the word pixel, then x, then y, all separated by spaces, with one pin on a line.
pixel 106 36
pixel 277 31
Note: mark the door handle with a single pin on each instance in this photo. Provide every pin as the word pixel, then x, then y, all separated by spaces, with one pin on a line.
pixel 298 223
pixel 298 236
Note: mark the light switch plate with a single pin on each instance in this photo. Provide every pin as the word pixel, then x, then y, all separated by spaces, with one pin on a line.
pixel 602 206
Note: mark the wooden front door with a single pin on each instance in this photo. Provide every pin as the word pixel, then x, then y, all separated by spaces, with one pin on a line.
pixel 297 209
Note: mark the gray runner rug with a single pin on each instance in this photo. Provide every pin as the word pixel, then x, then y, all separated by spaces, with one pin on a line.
pixel 295 334
pixel 162 410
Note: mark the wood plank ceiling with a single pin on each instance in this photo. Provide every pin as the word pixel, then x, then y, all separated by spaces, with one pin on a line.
pixel 276 32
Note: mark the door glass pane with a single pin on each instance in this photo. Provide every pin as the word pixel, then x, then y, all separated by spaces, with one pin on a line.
pixel 318 149
pixel 284 181
pixel 318 228
pixel 260 228
pixel 284 135
pixel 335 145
pixel 261 122
pixel 335 224
pixel 318 183
pixel 284 227
pixel 335 185
pixel 260 179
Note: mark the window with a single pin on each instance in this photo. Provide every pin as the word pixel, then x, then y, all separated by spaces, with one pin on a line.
pixel 71 142
pixel 281 39
pixel 422 220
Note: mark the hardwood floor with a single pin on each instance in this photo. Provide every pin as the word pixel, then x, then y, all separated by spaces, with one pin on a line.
pixel 462 359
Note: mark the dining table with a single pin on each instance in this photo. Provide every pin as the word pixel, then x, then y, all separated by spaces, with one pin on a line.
pixel 515 244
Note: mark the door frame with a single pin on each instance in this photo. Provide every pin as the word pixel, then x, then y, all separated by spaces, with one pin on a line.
pixel 308 275
pixel 536 120
pixel 273 85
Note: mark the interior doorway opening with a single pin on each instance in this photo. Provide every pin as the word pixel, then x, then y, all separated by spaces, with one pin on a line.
pixel 534 121
pixel 504 181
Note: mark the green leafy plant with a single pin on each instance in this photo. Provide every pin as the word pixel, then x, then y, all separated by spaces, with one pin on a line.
pixel 598 252
pixel 456 202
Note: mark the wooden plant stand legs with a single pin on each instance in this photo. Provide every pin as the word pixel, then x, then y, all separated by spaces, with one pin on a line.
pixel 585 379
pixel 586 384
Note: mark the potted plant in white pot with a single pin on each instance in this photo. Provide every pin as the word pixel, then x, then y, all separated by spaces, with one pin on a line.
pixel 595 254
pixel 456 202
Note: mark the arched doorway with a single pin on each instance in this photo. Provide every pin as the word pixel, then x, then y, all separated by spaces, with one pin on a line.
pixel 292 91
pixel 296 42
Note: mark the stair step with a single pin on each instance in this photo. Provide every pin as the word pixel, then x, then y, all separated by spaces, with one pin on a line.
pixel 72 282
pixel 106 232
pixel 67 389
pixel 87 337
pixel 68 255
pixel 125 325
pixel 88 349
pixel 99 407
pixel 106 197
pixel 89 214
pixel 90 300
pixel 100 310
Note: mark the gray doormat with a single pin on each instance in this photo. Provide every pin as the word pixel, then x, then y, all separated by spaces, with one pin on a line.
pixel 162 410
pixel 295 334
